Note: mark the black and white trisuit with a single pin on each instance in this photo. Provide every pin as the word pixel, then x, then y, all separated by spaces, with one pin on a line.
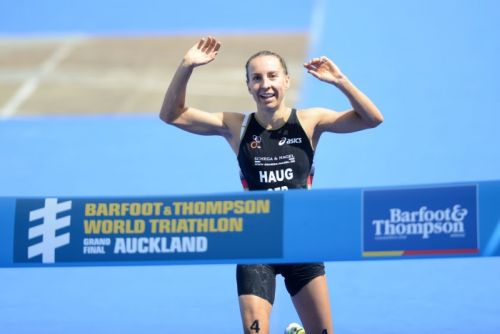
pixel 278 159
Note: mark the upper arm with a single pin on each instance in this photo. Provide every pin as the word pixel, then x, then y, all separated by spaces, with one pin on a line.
pixel 206 123
pixel 338 121
pixel 315 121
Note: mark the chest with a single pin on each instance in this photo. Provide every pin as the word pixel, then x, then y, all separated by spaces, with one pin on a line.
pixel 287 145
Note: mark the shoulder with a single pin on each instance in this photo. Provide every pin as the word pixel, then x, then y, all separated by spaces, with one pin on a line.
pixel 317 120
pixel 233 121
pixel 314 112
pixel 232 116
pixel 316 115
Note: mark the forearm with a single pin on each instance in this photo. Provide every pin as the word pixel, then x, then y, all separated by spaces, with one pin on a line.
pixel 361 104
pixel 174 102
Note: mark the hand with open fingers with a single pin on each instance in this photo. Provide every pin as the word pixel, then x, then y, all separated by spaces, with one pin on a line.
pixel 202 52
pixel 324 69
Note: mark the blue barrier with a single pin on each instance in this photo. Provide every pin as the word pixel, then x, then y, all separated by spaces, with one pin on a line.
pixel 295 226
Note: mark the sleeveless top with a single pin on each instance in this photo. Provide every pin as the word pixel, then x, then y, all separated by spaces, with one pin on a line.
pixel 278 159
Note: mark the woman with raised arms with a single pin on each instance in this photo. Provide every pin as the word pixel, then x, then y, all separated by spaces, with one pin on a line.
pixel 275 148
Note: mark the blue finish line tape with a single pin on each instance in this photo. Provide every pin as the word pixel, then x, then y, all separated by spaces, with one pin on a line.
pixel 251 227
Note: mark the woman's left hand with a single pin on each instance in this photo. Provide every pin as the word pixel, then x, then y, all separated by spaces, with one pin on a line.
pixel 325 70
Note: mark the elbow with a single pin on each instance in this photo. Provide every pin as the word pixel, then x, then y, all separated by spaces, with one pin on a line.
pixel 375 120
pixel 166 119
pixel 168 116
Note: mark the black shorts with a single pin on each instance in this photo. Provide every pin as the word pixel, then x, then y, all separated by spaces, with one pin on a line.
pixel 260 279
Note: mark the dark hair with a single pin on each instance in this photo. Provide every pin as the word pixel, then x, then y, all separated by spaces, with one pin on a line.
pixel 266 53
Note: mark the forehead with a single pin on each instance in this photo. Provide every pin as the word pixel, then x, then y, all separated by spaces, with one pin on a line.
pixel 263 64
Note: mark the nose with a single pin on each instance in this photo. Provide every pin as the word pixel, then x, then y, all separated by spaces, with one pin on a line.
pixel 266 83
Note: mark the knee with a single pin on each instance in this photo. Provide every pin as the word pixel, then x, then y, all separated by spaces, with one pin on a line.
pixel 255 314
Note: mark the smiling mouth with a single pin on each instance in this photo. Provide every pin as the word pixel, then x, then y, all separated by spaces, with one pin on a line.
pixel 266 96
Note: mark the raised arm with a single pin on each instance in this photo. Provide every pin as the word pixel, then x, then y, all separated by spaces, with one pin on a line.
pixel 364 114
pixel 174 110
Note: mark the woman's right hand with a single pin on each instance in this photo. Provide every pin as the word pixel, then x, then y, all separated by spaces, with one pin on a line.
pixel 202 52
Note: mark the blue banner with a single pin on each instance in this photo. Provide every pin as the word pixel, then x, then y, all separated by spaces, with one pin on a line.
pixel 436 220
pixel 66 230
pixel 253 227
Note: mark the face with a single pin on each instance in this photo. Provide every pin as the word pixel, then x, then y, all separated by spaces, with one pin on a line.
pixel 267 82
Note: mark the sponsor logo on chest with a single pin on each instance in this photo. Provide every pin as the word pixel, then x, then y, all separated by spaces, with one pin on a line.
pixel 289 141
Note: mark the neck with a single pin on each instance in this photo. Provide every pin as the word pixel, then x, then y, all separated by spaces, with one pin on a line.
pixel 272 119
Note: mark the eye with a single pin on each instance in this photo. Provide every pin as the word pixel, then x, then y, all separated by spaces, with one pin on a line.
pixel 273 75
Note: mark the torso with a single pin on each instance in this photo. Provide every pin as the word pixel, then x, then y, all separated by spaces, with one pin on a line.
pixel 277 159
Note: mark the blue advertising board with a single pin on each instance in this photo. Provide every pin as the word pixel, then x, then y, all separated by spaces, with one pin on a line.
pixel 426 220
pixel 293 226
pixel 73 230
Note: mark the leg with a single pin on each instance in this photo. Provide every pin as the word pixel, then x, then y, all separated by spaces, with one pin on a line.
pixel 312 303
pixel 256 288
pixel 255 314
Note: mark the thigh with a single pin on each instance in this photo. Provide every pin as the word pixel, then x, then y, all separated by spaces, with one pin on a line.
pixel 299 275
pixel 255 314
pixel 258 280
pixel 312 303
pixel 256 290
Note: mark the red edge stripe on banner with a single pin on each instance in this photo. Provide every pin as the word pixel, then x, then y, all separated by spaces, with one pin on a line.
pixel 442 251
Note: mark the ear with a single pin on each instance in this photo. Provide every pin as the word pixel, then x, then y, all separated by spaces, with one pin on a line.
pixel 287 81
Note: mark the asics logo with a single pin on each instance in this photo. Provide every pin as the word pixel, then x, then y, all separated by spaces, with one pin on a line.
pixel 289 141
